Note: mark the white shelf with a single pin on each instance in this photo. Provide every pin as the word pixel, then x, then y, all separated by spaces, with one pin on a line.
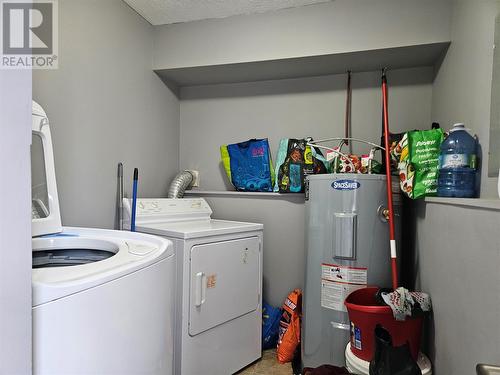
pixel 234 193
pixel 489 204
pixel 309 66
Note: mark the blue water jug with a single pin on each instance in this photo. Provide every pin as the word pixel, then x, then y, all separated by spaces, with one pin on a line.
pixel 458 164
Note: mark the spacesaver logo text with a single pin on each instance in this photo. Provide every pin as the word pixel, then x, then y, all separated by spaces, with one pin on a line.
pixel 29 34
pixel 346 185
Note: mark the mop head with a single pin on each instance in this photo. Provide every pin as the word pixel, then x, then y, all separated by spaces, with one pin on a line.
pixel 405 303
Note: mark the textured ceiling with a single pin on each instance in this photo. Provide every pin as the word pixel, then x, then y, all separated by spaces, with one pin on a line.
pixel 160 12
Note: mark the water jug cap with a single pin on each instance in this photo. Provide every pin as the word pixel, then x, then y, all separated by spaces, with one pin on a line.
pixel 458 126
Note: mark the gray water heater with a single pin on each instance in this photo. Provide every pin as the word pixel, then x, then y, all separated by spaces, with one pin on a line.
pixel 347 246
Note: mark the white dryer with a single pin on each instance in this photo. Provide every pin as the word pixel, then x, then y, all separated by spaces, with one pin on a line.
pixel 218 319
pixel 102 299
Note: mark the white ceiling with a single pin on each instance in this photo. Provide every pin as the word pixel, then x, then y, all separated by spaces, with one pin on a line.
pixel 161 12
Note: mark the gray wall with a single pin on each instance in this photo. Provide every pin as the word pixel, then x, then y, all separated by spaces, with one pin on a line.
pixel 15 222
pixel 215 115
pixel 334 27
pixel 494 144
pixel 283 219
pixel 222 114
pixel 106 105
pixel 458 251
pixel 462 88
pixel 458 257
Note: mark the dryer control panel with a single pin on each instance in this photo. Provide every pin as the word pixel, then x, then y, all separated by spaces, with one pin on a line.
pixel 162 210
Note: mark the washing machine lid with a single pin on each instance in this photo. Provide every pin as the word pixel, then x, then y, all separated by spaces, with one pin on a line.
pixel 45 213
pixel 131 252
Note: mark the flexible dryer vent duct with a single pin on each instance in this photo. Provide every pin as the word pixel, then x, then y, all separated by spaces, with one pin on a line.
pixel 180 184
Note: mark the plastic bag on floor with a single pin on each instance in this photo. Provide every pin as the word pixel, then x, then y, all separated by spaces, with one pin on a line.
pixel 270 325
pixel 289 330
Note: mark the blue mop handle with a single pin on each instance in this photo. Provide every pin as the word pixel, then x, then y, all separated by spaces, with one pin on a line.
pixel 134 200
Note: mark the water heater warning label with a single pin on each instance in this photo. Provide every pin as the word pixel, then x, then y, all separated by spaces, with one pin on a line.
pixel 333 294
pixel 337 282
pixel 351 275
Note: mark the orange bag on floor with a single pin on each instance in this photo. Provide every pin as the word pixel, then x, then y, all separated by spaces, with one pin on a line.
pixel 289 331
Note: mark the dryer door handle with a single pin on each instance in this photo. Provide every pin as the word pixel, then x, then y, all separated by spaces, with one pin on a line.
pixel 200 289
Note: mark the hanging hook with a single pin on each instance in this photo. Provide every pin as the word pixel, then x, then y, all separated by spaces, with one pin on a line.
pixel 384 71
pixel 347 119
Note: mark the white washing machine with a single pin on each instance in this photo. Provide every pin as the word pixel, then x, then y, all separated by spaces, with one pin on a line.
pixel 218 319
pixel 102 299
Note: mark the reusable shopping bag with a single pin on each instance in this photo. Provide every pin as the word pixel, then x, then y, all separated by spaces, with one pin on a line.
pixel 248 165
pixel 295 161
pixel 418 155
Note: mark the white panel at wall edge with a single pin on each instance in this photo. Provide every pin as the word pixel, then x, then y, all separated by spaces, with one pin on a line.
pixel 15 222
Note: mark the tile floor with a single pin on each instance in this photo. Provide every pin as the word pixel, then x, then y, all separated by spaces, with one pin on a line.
pixel 267 365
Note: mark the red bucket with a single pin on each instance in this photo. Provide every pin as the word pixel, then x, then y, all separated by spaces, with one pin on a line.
pixel 365 313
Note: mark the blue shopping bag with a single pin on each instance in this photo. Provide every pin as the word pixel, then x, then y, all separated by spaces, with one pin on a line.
pixel 270 325
pixel 248 165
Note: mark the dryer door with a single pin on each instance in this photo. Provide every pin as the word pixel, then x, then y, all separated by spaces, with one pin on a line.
pixel 225 282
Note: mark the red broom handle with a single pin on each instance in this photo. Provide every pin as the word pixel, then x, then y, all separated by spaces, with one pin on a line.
pixel 392 236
